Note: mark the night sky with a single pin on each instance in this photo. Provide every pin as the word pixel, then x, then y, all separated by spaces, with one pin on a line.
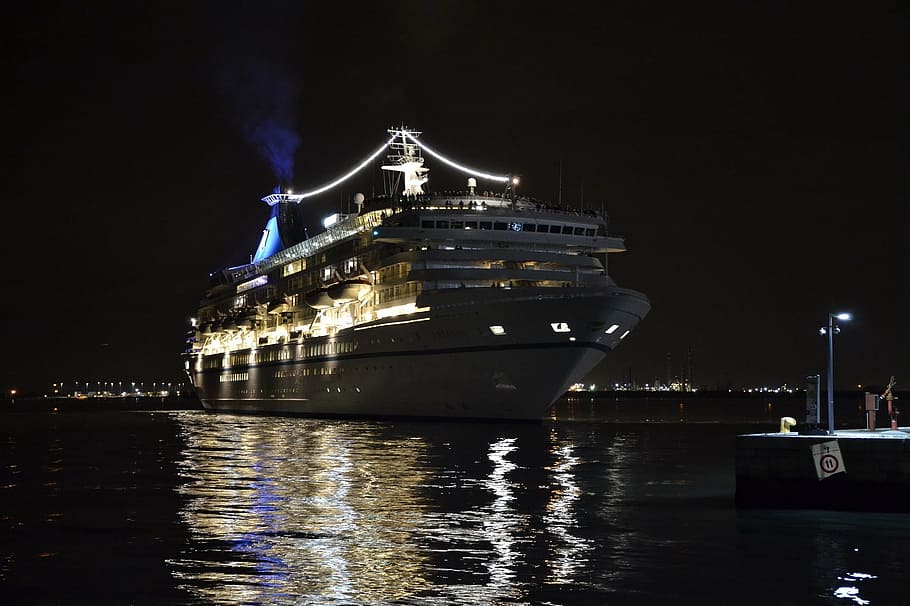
pixel 754 158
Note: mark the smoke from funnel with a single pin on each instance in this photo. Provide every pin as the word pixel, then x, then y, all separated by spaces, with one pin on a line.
pixel 259 94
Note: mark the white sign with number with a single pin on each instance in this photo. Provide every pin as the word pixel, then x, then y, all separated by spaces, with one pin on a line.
pixel 828 459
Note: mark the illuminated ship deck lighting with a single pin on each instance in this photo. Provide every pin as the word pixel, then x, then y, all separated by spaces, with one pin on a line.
pixel 455 165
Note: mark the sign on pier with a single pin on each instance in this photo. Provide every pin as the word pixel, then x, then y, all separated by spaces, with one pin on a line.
pixel 828 459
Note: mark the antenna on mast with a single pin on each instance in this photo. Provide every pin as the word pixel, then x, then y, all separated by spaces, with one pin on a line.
pixel 559 197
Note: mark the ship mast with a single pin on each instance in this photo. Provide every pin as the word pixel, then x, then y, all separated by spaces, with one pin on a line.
pixel 407 159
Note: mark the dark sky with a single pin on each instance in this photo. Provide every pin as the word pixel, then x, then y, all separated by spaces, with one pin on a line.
pixel 754 155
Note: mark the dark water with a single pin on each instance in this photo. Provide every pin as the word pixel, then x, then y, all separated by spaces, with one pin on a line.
pixel 187 507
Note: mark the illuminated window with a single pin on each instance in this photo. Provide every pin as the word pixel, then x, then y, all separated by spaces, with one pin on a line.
pixel 560 327
pixel 293 267
pixel 624 335
pixel 612 329
pixel 497 330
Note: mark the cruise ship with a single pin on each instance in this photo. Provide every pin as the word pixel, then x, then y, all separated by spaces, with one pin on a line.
pixel 480 304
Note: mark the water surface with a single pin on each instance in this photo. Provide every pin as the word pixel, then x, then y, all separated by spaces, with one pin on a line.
pixel 189 507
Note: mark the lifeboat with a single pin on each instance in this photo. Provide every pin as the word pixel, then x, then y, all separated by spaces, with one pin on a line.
pixel 278 307
pixel 230 326
pixel 350 289
pixel 319 298
pixel 207 330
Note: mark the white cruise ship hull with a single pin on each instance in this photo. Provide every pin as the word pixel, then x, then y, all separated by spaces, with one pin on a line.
pixel 491 353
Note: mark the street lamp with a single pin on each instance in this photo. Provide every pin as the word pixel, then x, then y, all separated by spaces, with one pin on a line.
pixel 830 330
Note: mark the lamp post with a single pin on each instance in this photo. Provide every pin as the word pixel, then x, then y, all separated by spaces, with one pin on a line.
pixel 830 330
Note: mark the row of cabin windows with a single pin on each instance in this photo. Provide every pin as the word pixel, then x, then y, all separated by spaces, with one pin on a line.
pixel 302 281
pixel 281 391
pixel 349 266
pixel 408 289
pixel 307 372
pixel 293 267
pixel 319 349
pixel 326 274
pixel 234 376
pixel 572 230
pixel 390 272
pixel 274 355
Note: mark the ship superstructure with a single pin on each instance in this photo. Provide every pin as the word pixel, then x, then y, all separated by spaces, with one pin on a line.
pixel 455 304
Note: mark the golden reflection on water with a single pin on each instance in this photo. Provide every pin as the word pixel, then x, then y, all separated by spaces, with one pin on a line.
pixel 288 507
pixel 313 511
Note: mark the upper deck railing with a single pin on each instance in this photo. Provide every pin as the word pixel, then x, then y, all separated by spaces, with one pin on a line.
pixel 340 231
pixel 375 214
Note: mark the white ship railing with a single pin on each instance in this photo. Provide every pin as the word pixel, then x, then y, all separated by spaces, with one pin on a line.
pixel 311 246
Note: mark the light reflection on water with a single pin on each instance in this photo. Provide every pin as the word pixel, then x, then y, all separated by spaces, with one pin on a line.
pixel 308 509
pixel 196 508
pixel 304 511
pixel 570 550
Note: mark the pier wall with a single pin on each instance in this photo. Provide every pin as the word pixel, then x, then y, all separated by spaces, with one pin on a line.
pixel 779 471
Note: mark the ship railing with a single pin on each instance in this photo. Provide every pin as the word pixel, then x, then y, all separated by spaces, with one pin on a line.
pixel 479 203
pixel 309 247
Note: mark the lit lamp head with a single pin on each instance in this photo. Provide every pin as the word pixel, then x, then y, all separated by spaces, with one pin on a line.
pixel 831 317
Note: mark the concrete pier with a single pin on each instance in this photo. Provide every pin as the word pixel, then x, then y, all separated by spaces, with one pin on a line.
pixel 855 470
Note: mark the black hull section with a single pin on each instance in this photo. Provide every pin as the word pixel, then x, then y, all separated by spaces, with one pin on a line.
pixel 454 363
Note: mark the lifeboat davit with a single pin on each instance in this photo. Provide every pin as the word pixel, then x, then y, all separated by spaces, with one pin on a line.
pixel 350 289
